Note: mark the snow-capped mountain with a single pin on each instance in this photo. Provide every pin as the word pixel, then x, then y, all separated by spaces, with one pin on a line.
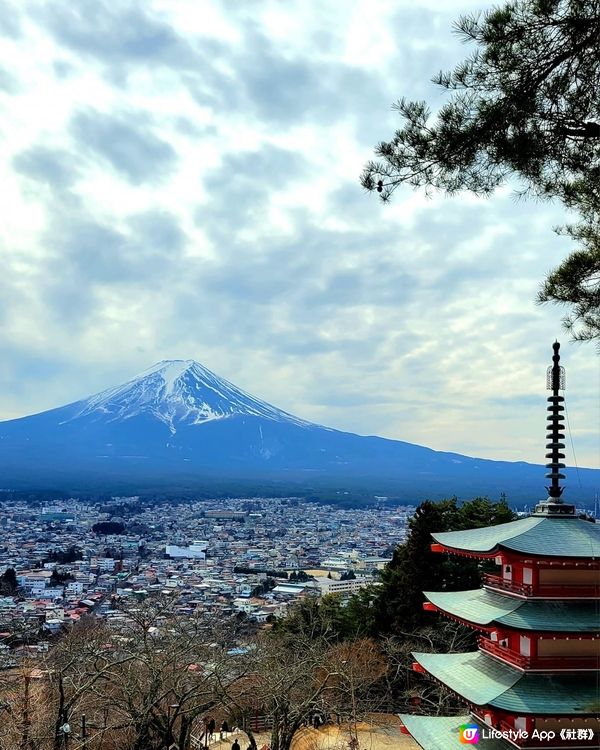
pixel 178 424
pixel 177 392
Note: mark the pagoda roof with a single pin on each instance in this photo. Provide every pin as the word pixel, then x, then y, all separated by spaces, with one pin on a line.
pixel 483 681
pixel 441 732
pixel 547 537
pixel 483 607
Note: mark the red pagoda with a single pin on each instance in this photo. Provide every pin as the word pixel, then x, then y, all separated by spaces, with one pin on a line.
pixel 534 682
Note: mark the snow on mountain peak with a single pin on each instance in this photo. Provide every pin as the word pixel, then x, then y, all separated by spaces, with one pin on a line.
pixel 178 391
pixel 171 370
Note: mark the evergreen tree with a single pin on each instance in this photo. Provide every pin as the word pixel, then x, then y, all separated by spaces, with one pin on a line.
pixel 415 568
pixel 8 581
pixel 526 104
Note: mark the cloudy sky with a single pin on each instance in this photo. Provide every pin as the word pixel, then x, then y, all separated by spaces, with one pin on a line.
pixel 180 180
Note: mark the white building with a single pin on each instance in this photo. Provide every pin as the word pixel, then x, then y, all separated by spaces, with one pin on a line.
pixel 195 551
pixel 332 586
pixel 74 588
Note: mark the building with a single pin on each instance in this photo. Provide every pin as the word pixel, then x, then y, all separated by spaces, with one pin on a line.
pixel 347 587
pixel 534 681
pixel 195 551
pixel 57 514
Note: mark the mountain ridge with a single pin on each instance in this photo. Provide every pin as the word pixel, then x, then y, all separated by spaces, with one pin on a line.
pixel 178 419
pixel 180 386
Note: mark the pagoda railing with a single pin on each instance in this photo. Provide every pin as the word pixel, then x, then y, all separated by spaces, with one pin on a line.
pixel 506 654
pixel 505 584
pixel 543 663
pixel 554 591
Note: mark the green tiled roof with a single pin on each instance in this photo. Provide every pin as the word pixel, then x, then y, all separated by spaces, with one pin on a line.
pixel 441 732
pixel 555 617
pixel 487 538
pixel 483 607
pixel 479 606
pixel 481 680
pixel 558 537
pixel 538 694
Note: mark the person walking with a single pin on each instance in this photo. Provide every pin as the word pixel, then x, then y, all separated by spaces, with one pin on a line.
pixel 211 727
pixel 235 745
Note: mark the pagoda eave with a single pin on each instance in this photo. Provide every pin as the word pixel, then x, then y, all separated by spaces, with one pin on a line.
pixel 444 549
pixel 429 607
pixel 488 610
pixel 510 555
pixel 566 539
pixel 480 680
pixel 442 732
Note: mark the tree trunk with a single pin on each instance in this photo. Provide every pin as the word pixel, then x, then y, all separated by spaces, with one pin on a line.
pixel 185 729
pixel 252 738
pixel 142 737
pixel 60 717
pixel 282 734
pixel 26 713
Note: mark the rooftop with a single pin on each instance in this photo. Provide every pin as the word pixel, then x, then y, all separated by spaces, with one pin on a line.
pixel 482 607
pixel 442 732
pixel 545 537
pixel 481 681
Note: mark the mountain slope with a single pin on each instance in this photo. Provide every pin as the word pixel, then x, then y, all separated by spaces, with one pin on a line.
pixel 179 422
pixel 176 392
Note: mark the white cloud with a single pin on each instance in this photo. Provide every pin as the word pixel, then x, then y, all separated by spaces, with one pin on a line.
pixel 181 180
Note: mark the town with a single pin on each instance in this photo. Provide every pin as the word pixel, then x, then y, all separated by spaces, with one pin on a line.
pixel 252 557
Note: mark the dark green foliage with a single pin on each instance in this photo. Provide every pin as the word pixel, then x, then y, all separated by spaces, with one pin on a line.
pixel 299 576
pixel 525 104
pixel 71 554
pixel 59 579
pixel 264 587
pixel 348 575
pixel 360 612
pixel 576 283
pixel 415 568
pixel 327 617
pixel 108 527
pixel 481 512
pixel 8 581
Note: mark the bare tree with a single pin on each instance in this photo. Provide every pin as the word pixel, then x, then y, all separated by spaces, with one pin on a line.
pixel 24 707
pixel 411 690
pixel 175 671
pixel 357 688
pixel 80 666
pixel 294 677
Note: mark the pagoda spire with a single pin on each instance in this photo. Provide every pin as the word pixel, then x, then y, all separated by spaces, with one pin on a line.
pixel 555 382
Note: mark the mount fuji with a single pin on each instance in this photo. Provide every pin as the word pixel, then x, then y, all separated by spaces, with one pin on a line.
pixel 178 424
